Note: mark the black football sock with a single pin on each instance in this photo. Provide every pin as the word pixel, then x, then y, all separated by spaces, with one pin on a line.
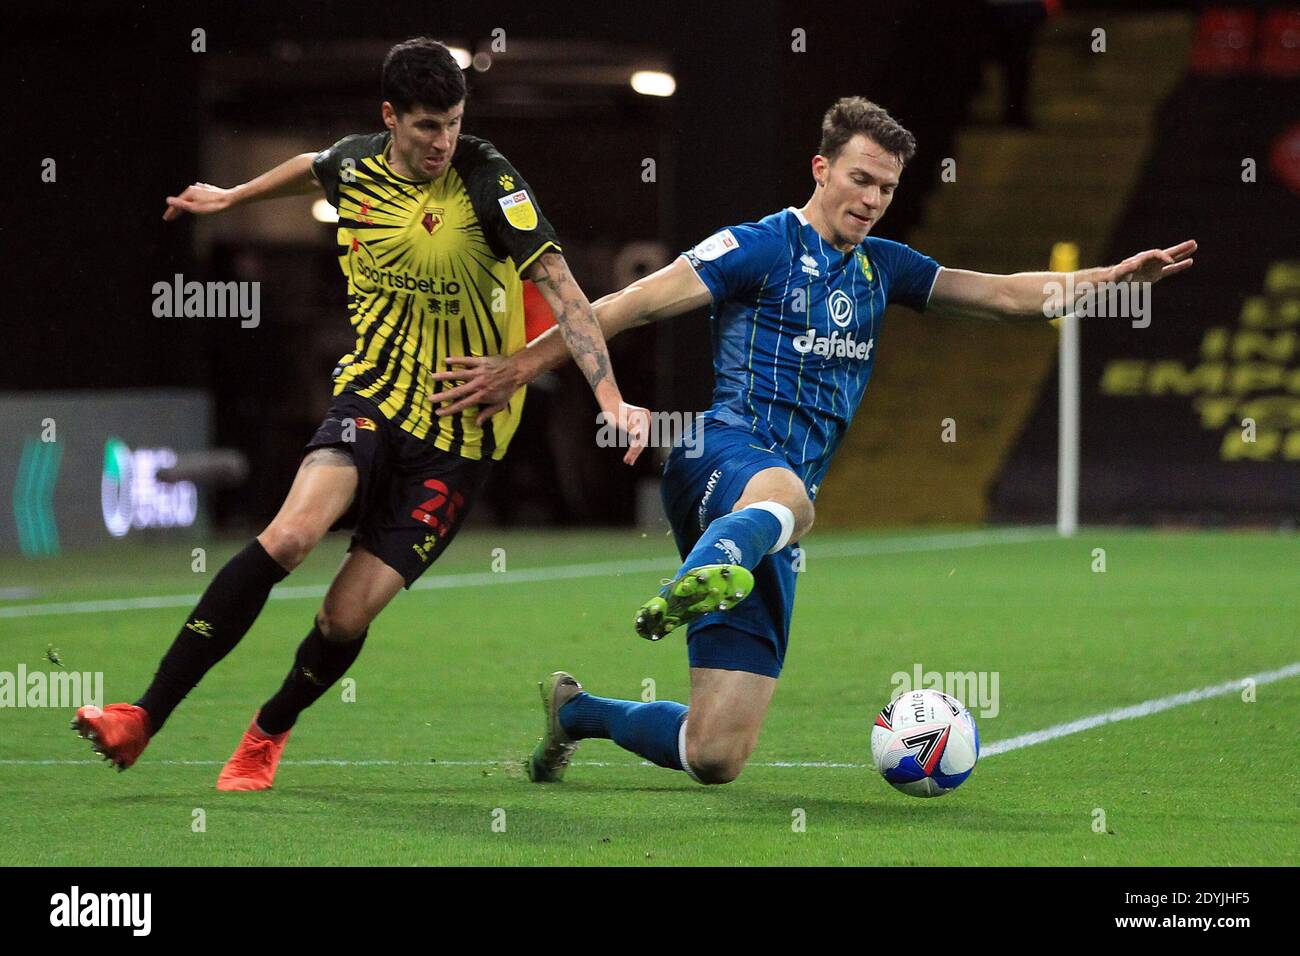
pixel 218 622
pixel 318 664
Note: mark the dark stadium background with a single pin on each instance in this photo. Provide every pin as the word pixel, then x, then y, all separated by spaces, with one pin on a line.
pixel 113 91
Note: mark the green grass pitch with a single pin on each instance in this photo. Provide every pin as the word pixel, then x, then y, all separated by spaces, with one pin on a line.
pixel 423 768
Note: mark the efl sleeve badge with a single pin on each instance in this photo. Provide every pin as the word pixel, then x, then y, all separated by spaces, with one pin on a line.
pixel 520 211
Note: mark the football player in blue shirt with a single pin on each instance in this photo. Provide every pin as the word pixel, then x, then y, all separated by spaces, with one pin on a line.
pixel 797 300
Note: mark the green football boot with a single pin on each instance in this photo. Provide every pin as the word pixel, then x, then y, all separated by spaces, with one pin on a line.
pixel 700 591
pixel 555 749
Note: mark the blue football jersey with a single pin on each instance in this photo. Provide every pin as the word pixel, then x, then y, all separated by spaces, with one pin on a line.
pixel 796 325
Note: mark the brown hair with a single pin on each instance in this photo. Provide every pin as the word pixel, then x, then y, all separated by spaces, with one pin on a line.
pixel 851 115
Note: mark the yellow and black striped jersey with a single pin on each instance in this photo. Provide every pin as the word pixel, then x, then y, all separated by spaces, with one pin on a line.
pixel 433 270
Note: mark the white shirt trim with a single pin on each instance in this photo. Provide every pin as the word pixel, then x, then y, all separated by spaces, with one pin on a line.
pixel 926 303
pixel 696 273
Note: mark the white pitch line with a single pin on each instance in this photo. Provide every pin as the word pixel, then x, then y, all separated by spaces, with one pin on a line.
pixel 1133 711
pixel 559 572
pixel 1055 732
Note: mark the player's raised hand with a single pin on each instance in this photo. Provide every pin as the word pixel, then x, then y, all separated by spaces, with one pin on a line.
pixel 200 199
pixel 1155 264
pixel 634 422
pixel 485 380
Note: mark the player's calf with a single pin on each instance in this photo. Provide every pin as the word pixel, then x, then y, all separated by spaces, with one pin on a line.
pixel 322 491
pixel 225 612
pixel 318 664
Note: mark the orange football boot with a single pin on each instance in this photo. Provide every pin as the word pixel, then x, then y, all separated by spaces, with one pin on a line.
pixel 252 765
pixel 118 733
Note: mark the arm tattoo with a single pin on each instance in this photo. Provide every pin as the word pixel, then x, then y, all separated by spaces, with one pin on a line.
pixel 330 455
pixel 577 321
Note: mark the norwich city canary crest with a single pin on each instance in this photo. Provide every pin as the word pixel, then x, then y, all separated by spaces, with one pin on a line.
pixel 866 265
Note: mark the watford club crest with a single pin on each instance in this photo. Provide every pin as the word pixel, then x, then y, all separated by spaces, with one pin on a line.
pixel 433 218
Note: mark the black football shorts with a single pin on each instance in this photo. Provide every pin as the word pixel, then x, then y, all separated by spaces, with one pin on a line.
pixel 411 497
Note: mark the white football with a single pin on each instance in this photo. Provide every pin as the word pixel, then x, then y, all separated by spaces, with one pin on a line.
pixel 925 743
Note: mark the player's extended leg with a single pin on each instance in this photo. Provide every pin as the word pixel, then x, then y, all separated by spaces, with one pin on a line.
pixel 427 495
pixel 740 499
pixel 711 740
pixel 727 712
pixel 773 510
pixel 362 588
pixel 322 491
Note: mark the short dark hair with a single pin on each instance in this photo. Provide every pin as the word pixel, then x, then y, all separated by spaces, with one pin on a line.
pixel 852 115
pixel 422 71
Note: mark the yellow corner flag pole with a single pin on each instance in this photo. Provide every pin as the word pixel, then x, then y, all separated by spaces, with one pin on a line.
pixel 1065 258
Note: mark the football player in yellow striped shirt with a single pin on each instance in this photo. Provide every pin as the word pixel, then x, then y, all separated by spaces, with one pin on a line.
pixel 435 231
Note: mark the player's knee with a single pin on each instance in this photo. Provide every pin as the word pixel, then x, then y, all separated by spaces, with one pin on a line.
pixel 801 507
pixel 795 499
pixel 341 625
pixel 804 515
pixel 290 540
pixel 713 764
pixel 712 770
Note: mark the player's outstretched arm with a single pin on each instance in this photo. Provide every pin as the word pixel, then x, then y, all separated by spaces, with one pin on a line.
pixel 489 381
pixel 584 340
pixel 1025 296
pixel 670 291
pixel 291 178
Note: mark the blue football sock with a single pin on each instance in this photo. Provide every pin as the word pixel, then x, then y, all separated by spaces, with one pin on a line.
pixel 742 537
pixel 649 730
